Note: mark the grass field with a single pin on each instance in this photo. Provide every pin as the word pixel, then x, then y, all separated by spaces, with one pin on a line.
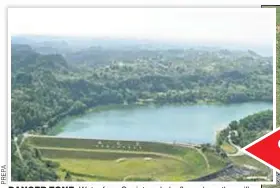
pixel 160 168
pixel 214 161
pixel 54 153
pixel 228 148
pixel 86 160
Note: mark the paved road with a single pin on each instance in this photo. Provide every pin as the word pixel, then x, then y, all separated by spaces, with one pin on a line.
pixel 18 150
pixel 238 148
pixel 25 135
pixel 251 167
pixel 258 177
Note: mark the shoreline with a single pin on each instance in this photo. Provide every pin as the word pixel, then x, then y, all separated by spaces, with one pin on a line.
pixel 218 130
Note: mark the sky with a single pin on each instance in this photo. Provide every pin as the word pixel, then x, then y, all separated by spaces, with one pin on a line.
pixel 237 25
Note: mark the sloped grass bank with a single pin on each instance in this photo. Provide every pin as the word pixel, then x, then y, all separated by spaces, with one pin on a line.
pixel 115 160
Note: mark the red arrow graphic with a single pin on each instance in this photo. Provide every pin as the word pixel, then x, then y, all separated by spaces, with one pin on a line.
pixel 267 149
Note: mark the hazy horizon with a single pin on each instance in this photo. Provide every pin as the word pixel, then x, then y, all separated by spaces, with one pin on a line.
pixel 247 27
pixel 86 42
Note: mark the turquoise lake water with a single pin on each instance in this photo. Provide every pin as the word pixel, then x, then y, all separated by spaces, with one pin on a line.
pixel 195 124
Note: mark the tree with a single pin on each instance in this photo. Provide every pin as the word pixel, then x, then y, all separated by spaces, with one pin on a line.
pixel 223 155
pixel 233 125
pixel 204 147
pixel 68 176
pixel 77 108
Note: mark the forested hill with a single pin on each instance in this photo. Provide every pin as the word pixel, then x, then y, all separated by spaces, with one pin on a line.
pixel 248 129
pixel 46 88
pixel 95 56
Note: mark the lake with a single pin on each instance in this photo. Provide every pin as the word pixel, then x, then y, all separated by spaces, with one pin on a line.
pixel 195 123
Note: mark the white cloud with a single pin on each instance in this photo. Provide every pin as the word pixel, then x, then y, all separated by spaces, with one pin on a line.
pixel 254 26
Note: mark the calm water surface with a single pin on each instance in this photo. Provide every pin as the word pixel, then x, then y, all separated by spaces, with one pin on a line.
pixel 196 124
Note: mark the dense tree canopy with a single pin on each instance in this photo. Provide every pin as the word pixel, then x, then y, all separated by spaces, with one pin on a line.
pixel 248 129
pixel 31 168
